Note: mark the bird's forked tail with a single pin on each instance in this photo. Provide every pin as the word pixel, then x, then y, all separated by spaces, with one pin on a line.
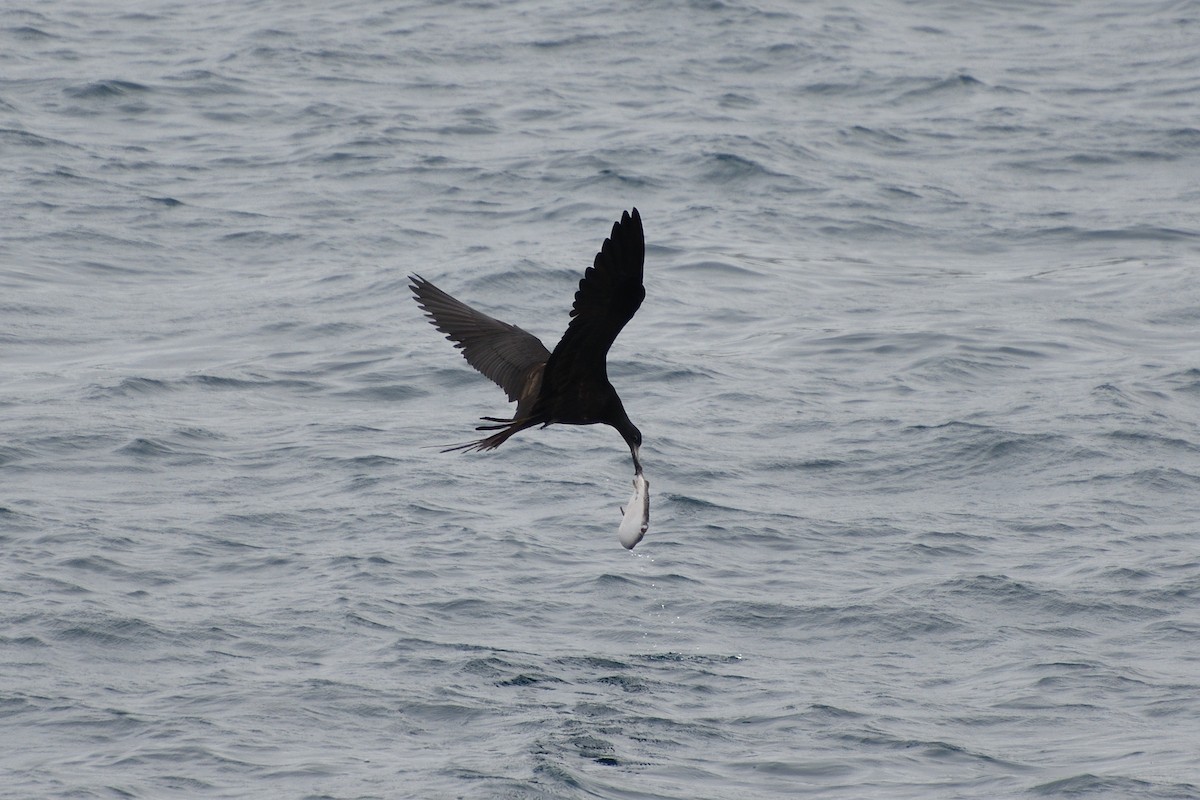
pixel 504 427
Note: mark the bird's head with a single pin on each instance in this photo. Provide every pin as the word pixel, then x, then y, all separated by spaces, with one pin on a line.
pixel 629 432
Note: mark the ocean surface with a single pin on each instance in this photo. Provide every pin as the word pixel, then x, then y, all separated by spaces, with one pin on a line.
pixel 918 372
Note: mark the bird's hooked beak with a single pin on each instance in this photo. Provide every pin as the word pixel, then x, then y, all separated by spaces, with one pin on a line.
pixel 637 465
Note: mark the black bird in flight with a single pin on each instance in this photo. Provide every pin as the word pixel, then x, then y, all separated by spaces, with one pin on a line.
pixel 570 385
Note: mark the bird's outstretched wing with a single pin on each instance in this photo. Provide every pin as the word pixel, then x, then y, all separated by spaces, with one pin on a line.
pixel 502 352
pixel 610 293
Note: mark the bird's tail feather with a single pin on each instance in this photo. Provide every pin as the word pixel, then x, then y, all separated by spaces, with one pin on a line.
pixel 506 428
pixel 501 423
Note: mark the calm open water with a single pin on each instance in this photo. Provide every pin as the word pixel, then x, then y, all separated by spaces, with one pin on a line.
pixel 917 370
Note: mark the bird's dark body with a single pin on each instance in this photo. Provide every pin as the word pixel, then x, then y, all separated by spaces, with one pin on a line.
pixel 570 385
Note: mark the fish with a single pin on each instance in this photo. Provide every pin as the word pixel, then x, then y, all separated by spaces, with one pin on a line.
pixel 636 514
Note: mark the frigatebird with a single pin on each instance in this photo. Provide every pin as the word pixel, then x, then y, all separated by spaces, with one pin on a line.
pixel 570 385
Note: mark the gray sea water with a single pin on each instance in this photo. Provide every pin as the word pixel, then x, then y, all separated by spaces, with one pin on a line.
pixel 917 371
